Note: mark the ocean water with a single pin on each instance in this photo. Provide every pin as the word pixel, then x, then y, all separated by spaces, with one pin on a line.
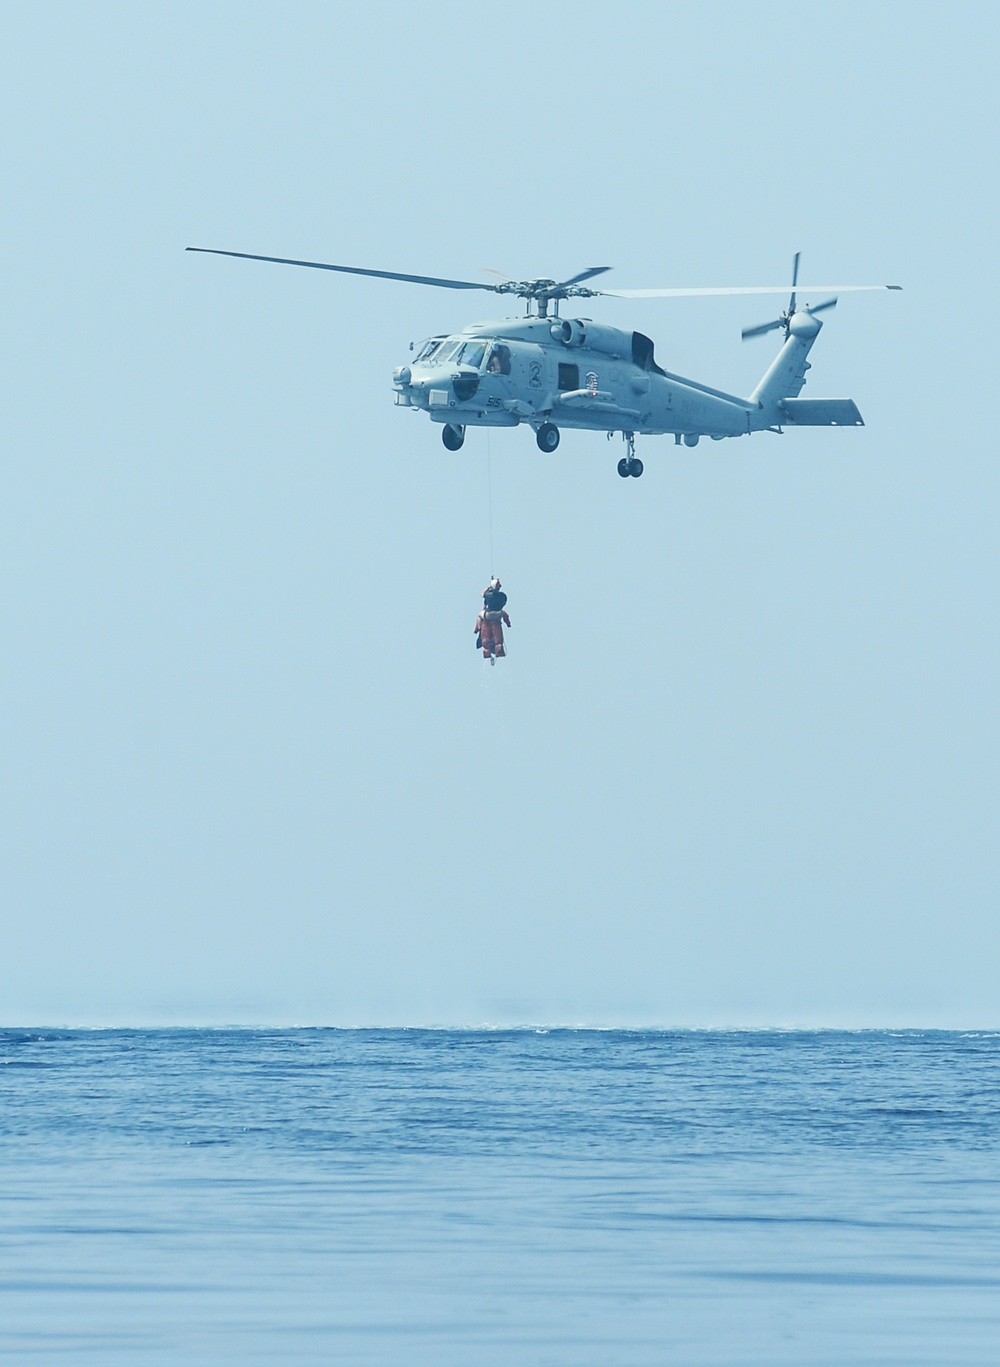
pixel 499 1197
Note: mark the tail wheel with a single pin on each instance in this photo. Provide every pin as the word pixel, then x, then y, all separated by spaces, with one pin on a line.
pixel 547 437
pixel 636 469
pixel 453 436
pixel 623 467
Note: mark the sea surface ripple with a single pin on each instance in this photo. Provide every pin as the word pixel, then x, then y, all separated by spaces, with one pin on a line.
pixel 452 1197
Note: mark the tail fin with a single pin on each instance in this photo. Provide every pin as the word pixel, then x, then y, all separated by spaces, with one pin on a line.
pixel 786 375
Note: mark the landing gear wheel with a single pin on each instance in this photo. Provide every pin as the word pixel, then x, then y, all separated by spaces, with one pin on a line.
pixel 453 436
pixel 630 465
pixel 547 438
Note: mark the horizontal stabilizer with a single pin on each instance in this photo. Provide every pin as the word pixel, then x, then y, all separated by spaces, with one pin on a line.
pixel 822 412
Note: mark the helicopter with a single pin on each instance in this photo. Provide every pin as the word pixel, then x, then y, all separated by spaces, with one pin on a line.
pixel 553 372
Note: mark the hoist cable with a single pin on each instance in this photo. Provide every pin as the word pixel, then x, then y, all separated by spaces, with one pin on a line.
pixel 489 491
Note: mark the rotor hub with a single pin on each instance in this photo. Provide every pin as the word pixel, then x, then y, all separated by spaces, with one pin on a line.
pixel 544 292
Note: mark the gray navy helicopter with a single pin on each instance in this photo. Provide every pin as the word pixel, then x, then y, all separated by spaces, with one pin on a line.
pixel 553 372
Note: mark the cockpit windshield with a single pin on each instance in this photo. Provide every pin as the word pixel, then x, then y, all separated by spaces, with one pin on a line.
pixel 428 349
pixel 450 348
pixel 453 351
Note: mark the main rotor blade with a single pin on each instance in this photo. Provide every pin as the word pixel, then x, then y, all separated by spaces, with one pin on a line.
pixel 584 275
pixel 352 270
pixel 818 308
pixel 738 289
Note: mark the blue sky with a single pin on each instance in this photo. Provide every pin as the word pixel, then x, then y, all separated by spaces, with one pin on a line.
pixel 740 767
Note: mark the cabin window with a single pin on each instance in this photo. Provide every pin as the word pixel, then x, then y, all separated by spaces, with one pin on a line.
pixel 569 376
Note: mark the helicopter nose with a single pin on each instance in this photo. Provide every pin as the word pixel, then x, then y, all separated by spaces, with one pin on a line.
pixel 402 376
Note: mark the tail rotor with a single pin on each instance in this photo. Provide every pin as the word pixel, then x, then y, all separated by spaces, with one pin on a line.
pixel 785 321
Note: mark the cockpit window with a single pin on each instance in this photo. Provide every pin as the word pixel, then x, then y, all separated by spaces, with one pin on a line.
pixel 460 351
pixel 450 348
pixel 499 362
pixel 454 351
pixel 428 349
pixel 472 354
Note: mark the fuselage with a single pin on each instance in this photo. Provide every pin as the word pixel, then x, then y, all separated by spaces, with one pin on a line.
pixel 573 373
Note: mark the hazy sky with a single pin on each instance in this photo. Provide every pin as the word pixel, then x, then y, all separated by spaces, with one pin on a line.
pixel 741 764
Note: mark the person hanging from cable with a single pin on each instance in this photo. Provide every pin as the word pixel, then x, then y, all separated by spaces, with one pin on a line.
pixel 491 621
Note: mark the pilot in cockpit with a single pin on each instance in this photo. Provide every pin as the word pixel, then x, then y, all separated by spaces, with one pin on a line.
pixel 499 360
